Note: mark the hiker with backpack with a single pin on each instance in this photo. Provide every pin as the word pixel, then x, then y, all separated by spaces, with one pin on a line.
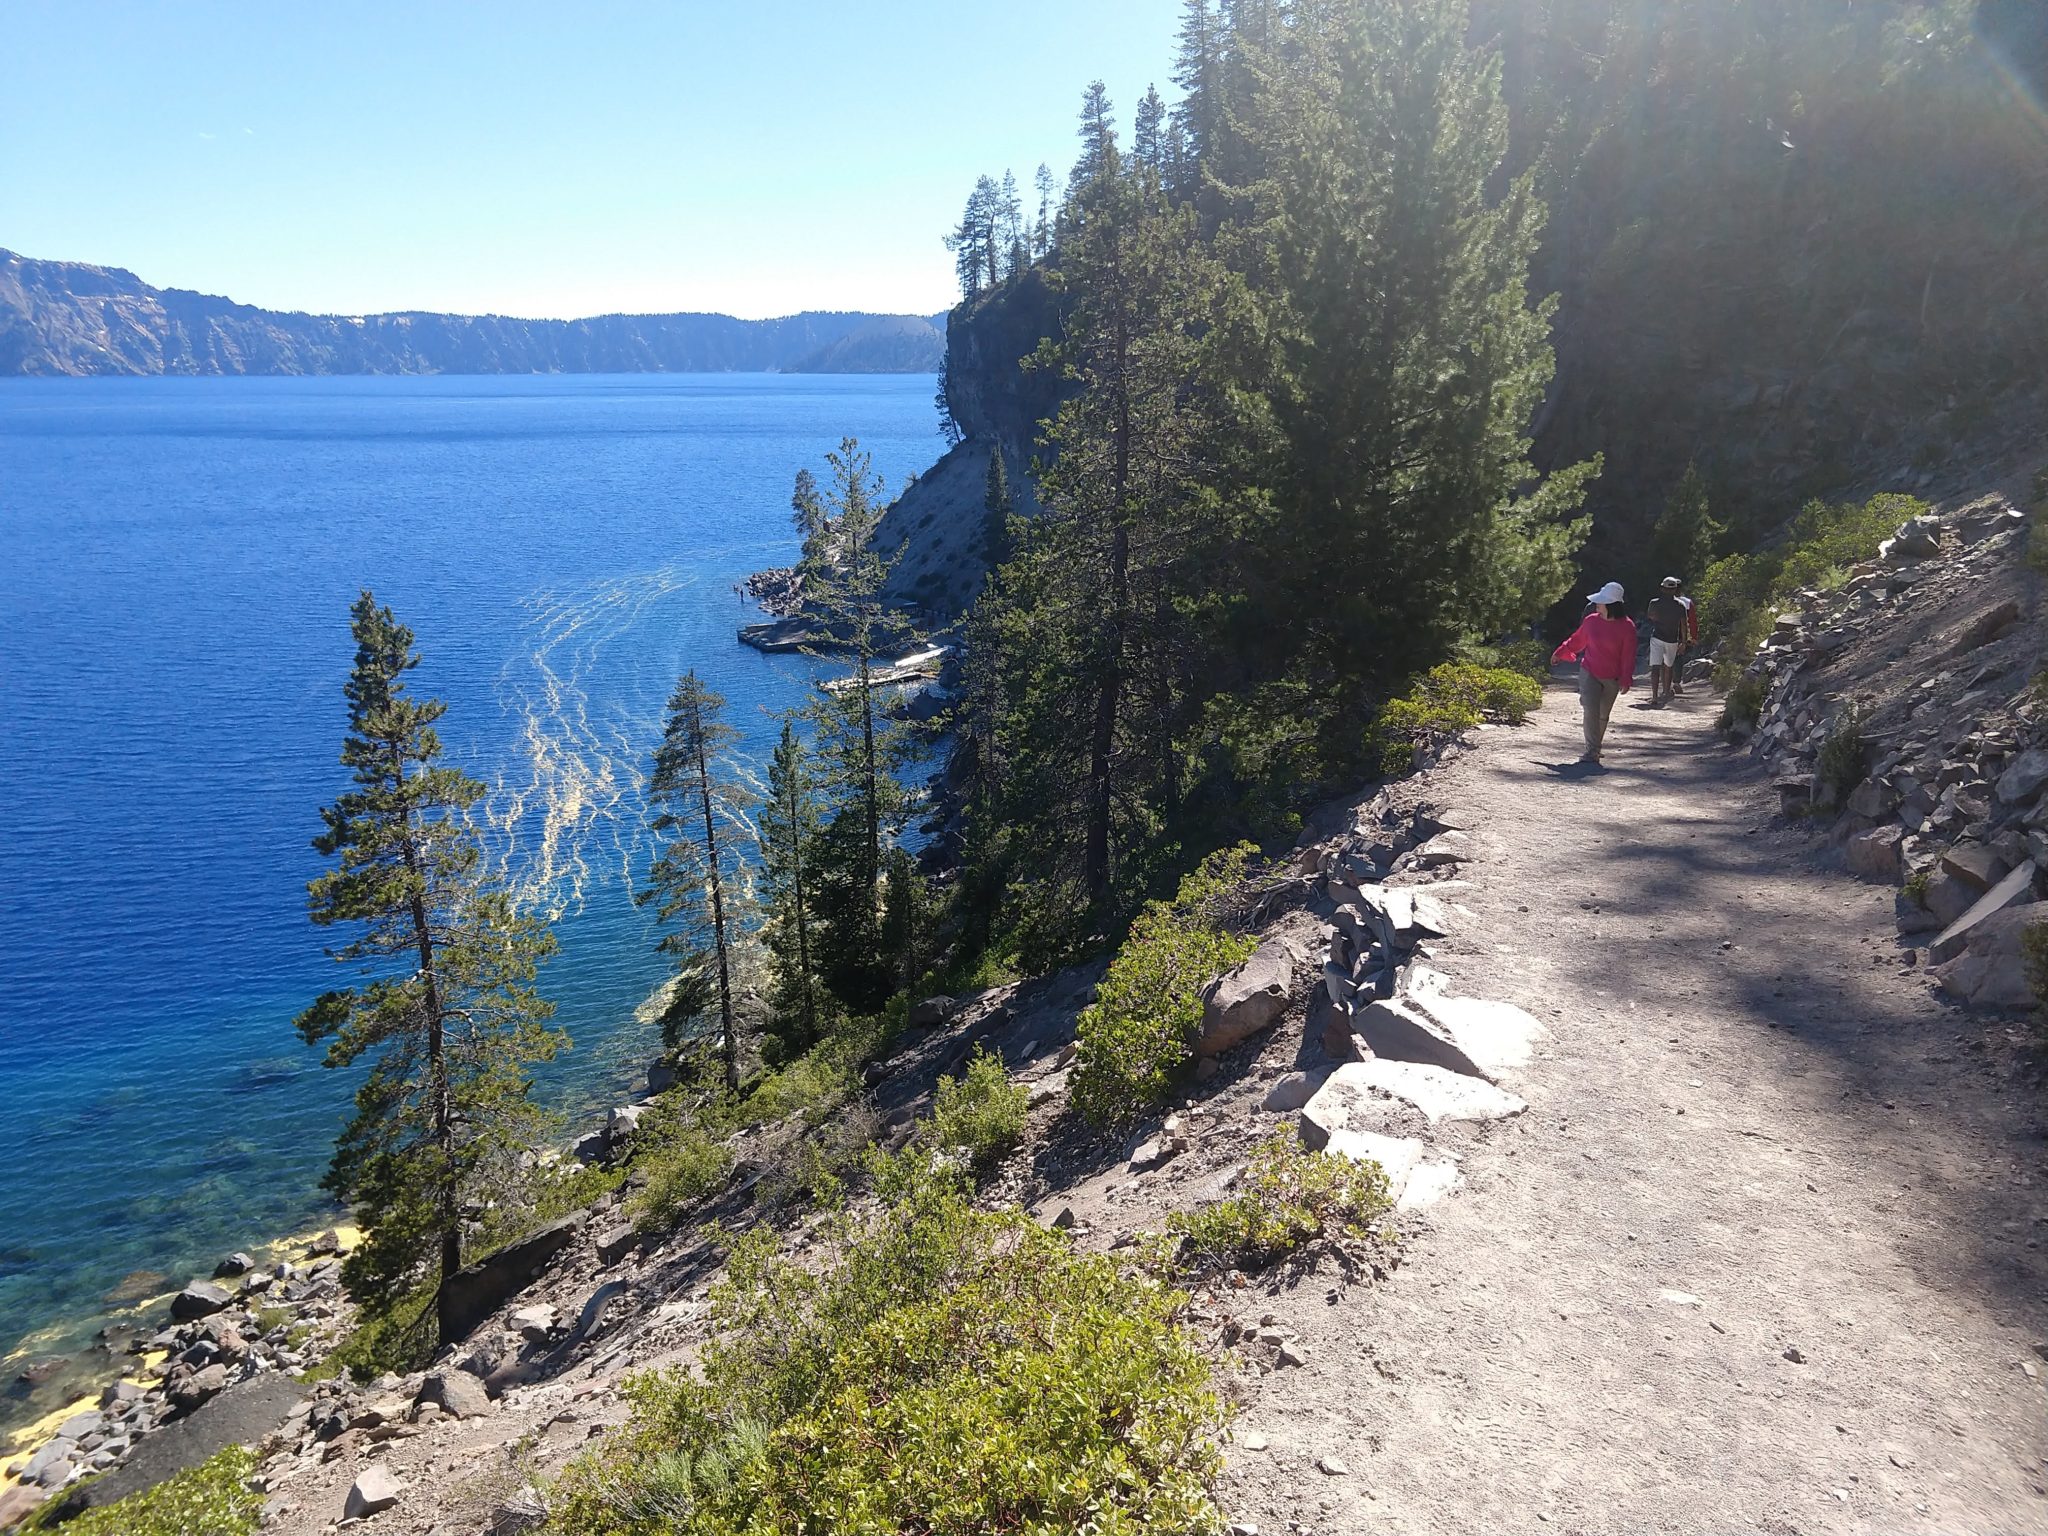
pixel 1668 616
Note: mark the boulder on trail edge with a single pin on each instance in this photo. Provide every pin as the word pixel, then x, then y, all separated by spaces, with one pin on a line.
pixel 1992 972
pixel 931 1013
pixel 1875 854
pixel 1240 1003
pixel 1954 939
pixel 456 1393
pixel 376 1490
pixel 1471 1035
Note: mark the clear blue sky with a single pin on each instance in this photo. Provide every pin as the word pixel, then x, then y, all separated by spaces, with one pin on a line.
pixel 543 159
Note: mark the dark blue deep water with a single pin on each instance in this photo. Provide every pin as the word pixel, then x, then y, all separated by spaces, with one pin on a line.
pixel 180 555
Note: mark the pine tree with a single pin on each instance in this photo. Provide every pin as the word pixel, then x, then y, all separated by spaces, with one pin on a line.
pixel 1405 361
pixel 1041 233
pixel 1010 228
pixel 997 509
pixel 1683 540
pixel 973 240
pixel 1148 134
pixel 447 1018
pixel 1198 71
pixel 1098 138
pixel 699 809
pixel 859 748
pixel 1093 630
pixel 813 526
pixel 789 823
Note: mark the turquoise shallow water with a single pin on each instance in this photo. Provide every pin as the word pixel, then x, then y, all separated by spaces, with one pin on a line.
pixel 180 555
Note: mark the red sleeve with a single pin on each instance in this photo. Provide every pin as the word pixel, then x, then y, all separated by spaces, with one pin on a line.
pixel 1692 623
pixel 1574 646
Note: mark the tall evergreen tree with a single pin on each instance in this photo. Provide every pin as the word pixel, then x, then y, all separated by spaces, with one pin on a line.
pixel 447 1017
pixel 699 809
pixel 997 508
pixel 859 747
pixel 1198 71
pixel 1098 138
pixel 1041 232
pixel 1095 627
pixel 789 822
pixel 1148 134
pixel 1683 540
pixel 1404 360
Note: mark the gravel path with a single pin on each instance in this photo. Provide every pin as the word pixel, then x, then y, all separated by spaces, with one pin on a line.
pixel 1763 1255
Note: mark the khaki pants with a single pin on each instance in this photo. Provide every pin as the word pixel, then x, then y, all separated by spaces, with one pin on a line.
pixel 1596 699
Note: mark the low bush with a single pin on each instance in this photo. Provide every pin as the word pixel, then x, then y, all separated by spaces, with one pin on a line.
pixel 950 1372
pixel 681 1162
pixel 1739 597
pixel 2034 955
pixel 211 1499
pixel 1742 704
pixel 1137 1036
pixel 982 1112
pixel 1840 765
pixel 400 1338
pixel 1286 1197
pixel 1448 699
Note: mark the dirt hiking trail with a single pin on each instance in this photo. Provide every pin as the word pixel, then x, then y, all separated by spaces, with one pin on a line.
pixel 1763 1254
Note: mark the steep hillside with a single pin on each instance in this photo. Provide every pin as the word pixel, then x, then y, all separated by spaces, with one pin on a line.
pixel 60 317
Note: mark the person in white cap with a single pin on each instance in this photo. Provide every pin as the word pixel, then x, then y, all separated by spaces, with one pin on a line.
pixel 1667 614
pixel 1604 646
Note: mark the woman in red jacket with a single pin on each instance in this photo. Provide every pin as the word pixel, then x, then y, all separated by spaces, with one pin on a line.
pixel 1604 646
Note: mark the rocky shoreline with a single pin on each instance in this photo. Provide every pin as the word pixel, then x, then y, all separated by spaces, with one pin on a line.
pixel 273 1318
pixel 233 1359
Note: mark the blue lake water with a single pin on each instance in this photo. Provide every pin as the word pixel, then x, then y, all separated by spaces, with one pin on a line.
pixel 180 555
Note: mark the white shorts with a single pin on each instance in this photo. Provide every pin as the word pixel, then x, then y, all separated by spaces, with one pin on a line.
pixel 1663 653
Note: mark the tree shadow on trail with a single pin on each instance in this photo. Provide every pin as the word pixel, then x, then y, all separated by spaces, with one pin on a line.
pixel 1705 898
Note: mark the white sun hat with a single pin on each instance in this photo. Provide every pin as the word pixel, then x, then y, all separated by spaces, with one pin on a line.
pixel 1611 593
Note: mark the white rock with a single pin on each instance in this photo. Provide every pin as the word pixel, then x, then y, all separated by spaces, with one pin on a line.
pixel 377 1489
pixel 1437 1093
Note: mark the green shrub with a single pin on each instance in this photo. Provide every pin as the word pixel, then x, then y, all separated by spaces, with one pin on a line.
pixel 1840 765
pixel 1743 703
pixel 399 1339
pixel 1448 699
pixel 1916 887
pixel 1526 658
pixel 1286 1197
pixel 211 1499
pixel 951 1372
pixel 2034 955
pixel 545 1193
pixel 982 1113
pixel 1739 597
pixel 682 1163
pixel 1137 1036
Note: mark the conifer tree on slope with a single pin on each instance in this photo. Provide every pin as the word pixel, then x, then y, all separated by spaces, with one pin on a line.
pixel 1403 359
pixel 997 508
pixel 789 828
pixel 859 747
pixel 1096 630
pixel 699 806
pixel 447 1018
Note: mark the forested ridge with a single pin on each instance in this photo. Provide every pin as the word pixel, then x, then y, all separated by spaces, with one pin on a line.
pixel 71 318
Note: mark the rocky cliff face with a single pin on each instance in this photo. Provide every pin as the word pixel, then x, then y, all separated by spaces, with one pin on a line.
pixel 59 318
pixel 935 529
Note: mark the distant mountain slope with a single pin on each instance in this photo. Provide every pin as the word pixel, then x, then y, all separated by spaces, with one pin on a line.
pixel 61 317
